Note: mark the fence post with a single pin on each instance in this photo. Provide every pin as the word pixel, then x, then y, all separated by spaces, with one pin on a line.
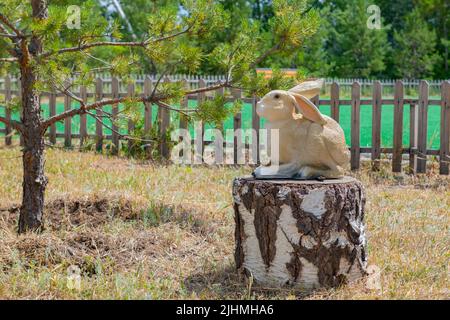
pixel 115 111
pixel 335 101
pixel 184 105
pixel 413 136
pixel 99 112
pixel 67 121
pixel 237 134
pixel 444 153
pixel 376 125
pixel 8 129
pixel 131 124
pixel 355 126
pixel 183 125
pixel 219 139
pixel 199 128
pixel 164 120
pixel 397 150
pixel 83 124
pixel 422 130
pixel 52 106
pixel 147 114
pixel 255 130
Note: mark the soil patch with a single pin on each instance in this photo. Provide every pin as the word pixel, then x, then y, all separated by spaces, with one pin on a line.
pixel 69 213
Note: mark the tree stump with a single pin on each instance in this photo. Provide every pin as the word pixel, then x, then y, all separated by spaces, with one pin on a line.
pixel 301 233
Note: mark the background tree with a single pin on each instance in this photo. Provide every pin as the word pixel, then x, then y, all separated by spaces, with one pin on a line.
pixel 52 57
pixel 313 57
pixel 393 14
pixel 321 55
pixel 354 49
pixel 437 15
pixel 414 52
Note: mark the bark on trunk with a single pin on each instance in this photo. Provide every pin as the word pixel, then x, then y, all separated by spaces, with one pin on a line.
pixel 34 180
pixel 306 234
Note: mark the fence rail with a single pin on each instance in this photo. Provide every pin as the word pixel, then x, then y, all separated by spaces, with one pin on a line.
pixel 209 79
pixel 418 117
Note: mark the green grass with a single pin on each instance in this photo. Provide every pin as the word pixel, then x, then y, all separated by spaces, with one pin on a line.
pixel 387 120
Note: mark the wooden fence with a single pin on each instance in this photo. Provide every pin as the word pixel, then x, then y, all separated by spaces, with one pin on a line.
pixel 417 150
pixel 193 81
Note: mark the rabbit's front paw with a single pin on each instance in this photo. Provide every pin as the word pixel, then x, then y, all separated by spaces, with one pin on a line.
pixel 265 171
pixel 307 172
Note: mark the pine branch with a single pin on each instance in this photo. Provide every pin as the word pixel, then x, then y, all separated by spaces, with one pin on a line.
pixel 3 29
pixel 141 44
pixel 153 98
pixel 70 94
pixel 108 66
pixel 82 47
pixel 96 117
pixel 11 26
pixel 65 90
pixel 7 35
pixel 172 35
pixel 15 124
pixel 84 108
pixel 168 69
pixel 261 58
pixel 8 59
pixel 168 107
pixel 96 58
pixel 116 131
pixel 225 84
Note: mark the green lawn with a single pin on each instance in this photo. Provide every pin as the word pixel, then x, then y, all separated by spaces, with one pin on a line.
pixel 345 112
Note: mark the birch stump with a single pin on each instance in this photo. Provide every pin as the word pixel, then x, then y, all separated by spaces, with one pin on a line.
pixel 302 233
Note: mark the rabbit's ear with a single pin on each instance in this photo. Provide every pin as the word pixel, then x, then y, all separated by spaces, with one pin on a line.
pixel 308 89
pixel 307 108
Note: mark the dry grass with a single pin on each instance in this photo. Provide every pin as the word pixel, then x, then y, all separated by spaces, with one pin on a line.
pixel 147 231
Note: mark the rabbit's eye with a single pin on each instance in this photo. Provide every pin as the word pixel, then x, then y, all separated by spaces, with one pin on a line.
pixel 277 96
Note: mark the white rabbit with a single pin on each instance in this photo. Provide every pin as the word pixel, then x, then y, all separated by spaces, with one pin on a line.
pixel 311 145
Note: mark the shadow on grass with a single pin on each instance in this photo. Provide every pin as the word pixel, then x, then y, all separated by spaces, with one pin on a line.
pixel 227 283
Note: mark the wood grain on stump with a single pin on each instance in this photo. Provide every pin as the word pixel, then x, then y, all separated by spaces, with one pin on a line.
pixel 306 234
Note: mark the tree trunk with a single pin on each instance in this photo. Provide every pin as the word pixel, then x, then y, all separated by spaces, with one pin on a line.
pixel 34 180
pixel 306 234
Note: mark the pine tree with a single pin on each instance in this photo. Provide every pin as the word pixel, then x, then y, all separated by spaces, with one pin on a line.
pixel 35 37
pixel 437 15
pixel 414 49
pixel 313 57
pixel 393 13
pixel 353 48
